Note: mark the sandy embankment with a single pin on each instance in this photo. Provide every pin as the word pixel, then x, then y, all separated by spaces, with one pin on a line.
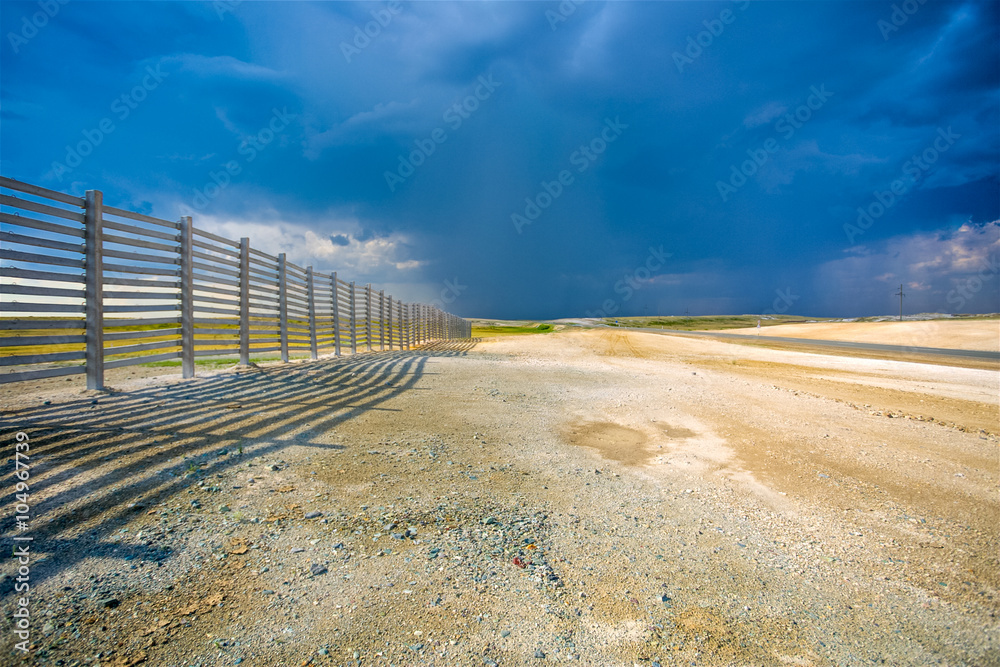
pixel 957 335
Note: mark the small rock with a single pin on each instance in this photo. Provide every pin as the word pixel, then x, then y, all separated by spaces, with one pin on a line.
pixel 223 508
pixel 297 550
pixel 416 647
pixel 490 521
pixel 489 662
pixel 109 603
pixel 317 569
pixel 539 653
pixel 48 627
pixel 324 651
pixel 396 536
pixel 505 633
pixel 315 514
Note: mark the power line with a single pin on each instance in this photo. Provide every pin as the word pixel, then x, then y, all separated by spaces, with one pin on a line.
pixel 900 295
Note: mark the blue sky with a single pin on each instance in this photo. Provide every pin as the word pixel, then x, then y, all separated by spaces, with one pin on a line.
pixel 542 159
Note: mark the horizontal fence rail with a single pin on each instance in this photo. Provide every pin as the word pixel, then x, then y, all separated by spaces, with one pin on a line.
pixel 86 287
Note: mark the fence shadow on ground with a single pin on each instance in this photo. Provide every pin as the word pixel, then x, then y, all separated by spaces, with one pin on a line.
pixel 118 454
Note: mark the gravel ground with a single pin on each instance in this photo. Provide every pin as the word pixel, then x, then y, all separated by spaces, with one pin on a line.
pixel 601 497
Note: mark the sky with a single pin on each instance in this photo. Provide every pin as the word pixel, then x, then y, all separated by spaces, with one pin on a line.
pixel 541 159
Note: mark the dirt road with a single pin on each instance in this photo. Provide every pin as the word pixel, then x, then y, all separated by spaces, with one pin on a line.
pixel 599 497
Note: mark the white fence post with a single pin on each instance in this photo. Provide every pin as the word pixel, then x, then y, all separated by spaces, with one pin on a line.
pixel 354 319
pixel 283 305
pixel 368 317
pixel 389 316
pixel 244 301
pixel 399 319
pixel 311 295
pixel 94 287
pixel 187 299
pixel 336 314
pixel 404 324
pixel 381 320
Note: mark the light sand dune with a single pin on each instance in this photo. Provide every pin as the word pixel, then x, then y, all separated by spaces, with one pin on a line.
pixel 954 334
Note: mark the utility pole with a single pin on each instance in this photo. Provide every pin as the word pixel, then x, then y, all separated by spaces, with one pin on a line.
pixel 900 295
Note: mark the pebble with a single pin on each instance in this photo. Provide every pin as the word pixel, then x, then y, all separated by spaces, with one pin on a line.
pixel 505 633
pixel 109 603
pixel 223 508
pixel 416 647
pixel 315 514
pixel 539 653
pixel 297 550
pixel 317 569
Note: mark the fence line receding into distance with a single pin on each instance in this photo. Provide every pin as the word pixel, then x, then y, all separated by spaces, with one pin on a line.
pixel 108 288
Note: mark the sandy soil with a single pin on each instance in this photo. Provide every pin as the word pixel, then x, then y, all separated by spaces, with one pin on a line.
pixel 599 497
pixel 957 335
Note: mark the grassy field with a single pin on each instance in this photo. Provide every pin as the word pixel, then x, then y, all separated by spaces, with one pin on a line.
pixel 230 360
pixel 226 343
pixel 487 329
pixel 707 322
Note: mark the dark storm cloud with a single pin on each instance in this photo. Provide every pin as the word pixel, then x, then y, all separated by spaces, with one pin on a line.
pixel 703 89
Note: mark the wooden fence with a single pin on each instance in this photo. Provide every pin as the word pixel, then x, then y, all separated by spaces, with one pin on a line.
pixel 109 288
